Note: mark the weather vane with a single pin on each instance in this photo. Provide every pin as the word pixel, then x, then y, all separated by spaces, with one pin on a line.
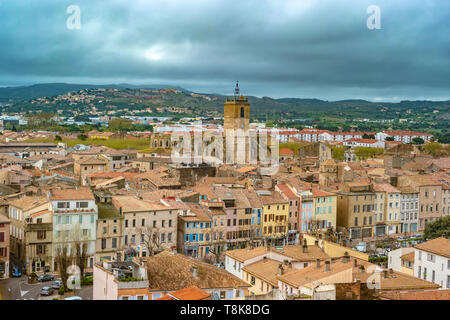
pixel 236 90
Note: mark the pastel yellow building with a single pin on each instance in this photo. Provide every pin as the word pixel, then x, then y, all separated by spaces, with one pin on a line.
pixel 325 207
pixel 275 216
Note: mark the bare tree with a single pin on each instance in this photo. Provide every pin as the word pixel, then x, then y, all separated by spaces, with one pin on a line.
pixel 152 238
pixel 80 250
pixel 216 244
pixel 64 259
pixel 81 256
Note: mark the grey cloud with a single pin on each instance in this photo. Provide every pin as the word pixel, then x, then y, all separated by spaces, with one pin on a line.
pixel 296 48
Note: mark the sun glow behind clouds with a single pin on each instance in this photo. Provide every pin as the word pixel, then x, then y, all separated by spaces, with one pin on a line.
pixel 154 53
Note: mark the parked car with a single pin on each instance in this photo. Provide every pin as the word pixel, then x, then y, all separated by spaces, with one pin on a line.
pixel 57 284
pixel 16 273
pixel 46 277
pixel 46 291
pixel 73 298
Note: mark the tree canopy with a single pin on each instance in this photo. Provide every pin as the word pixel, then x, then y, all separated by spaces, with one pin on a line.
pixel 438 228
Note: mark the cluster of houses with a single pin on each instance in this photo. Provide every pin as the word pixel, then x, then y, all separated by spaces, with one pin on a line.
pixel 152 228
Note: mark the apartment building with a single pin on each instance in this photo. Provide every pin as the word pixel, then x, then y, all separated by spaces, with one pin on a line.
pixel 275 217
pixel 294 212
pixel 18 212
pixel 430 197
pixel 391 205
pixel 109 242
pixel 4 247
pixel 39 242
pixel 409 209
pixel 355 210
pixel 432 261
pixel 148 226
pixel 75 215
pixel 194 231
pixel 325 206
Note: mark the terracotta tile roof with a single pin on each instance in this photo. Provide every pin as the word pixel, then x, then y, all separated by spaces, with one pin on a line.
pixel 91 161
pixel 439 246
pixel 27 203
pixel 133 204
pixel 72 194
pixel 408 256
pixel 294 252
pixel 40 213
pixel 417 295
pixel 245 169
pixel 286 152
pixel 265 269
pixel 274 198
pixel 168 271
pixel 189 293
pixel 253 198
pixel 321 193
pixel 243 255
pixel 284 188
pixel 385 187
pixel 301 277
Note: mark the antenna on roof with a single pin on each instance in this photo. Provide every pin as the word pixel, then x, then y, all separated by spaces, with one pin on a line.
pixel 236 90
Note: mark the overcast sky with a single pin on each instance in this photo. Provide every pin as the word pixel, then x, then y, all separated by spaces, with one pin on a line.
pixel 277 48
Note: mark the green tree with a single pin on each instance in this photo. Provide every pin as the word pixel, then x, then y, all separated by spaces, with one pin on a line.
pixel 82 137
pixel 368 136
pixel 338 152
pixel 389 139
pixel 438 228
pixel 120 125
pixel 269 124
pixel 418 140
pixel 58 138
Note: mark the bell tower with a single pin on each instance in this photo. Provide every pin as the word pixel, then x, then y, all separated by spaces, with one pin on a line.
pixel 236 112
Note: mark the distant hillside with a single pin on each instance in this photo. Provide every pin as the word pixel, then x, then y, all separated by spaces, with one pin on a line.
pixel 265 107
pixel 15 94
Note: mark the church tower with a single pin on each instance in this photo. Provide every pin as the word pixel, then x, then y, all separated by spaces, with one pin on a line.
pixel 236 112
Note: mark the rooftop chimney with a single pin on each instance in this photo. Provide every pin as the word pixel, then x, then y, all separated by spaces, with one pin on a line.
pixel 280 269
pixel 346 257
pixel 327 266
pixel 305 248
pixel 317 263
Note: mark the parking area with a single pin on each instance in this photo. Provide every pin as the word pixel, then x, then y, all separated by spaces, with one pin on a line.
pixel 20 289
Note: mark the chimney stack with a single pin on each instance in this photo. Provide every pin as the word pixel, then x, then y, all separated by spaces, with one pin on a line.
pixel 305 248
pixel 327 266
pixel 317 263
pixel 346 257
pixel 280 270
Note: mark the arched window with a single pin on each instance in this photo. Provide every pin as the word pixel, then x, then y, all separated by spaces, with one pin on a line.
pixel 242 112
